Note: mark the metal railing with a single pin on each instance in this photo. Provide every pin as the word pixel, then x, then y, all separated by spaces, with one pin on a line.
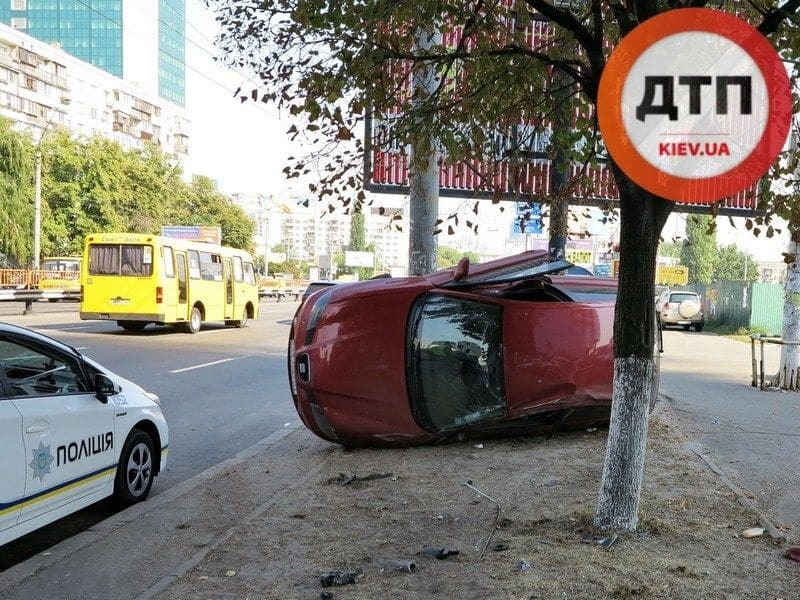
pixel 758 365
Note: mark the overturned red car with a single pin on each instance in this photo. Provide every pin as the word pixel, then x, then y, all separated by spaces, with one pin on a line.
pixel 502 346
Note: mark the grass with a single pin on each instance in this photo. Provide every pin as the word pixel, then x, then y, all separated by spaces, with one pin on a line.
pixel 735 332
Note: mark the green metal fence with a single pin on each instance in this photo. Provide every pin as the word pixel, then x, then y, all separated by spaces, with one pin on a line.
pixel 758 306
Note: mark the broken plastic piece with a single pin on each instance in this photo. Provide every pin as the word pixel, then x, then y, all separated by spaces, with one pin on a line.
pixel 606 543
pixel 340 577
pixel 524 565
pixel 405 566
pixel 345 479
pixel 440 553
pixel 793 553
pixel 500 547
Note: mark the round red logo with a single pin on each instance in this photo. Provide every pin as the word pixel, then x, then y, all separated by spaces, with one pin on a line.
pixel 694 105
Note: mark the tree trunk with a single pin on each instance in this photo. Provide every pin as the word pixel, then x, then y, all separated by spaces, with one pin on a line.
pixel 423 176
pixel 642 217
pixel 788 376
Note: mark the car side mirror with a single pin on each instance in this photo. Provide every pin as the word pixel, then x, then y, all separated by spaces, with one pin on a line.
pixel 462 269
pixel 104 387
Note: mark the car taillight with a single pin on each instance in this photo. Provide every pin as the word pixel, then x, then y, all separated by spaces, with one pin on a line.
pixel 159 295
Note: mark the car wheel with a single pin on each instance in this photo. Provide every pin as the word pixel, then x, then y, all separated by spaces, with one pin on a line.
pixel 699 327
pixel 686 327
pixel 195 321
pixel 135 470
pixel 243 321
pixel 132 325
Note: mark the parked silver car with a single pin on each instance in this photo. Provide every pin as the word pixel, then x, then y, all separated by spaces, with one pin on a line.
pixel 681 308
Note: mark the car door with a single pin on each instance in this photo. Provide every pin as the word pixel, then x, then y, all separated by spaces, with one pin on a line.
pixel 12 467
pixel 68 434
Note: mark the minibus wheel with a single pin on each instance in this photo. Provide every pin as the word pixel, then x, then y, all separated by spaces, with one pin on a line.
pixel 194 322
pixel 243 321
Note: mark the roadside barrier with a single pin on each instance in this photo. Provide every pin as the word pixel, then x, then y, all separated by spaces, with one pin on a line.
pixel 758 365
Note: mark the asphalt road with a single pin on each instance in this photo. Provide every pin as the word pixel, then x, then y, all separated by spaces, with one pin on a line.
pixel 221 390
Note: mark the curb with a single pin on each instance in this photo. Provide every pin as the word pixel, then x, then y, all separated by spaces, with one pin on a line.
pixel 777 536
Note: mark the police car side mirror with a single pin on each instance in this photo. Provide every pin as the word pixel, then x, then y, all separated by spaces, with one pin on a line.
pixel 104 387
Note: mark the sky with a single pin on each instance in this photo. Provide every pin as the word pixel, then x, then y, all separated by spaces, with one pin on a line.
pixel 243 146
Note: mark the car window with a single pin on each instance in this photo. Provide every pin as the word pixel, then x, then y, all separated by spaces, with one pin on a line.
pixel 682 297
pixel 32 370
pixel 456 361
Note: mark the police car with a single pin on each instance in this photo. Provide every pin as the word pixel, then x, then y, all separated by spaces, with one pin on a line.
pixel 71 433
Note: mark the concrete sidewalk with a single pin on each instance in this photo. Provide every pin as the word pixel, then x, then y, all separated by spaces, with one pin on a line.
pixel 753 435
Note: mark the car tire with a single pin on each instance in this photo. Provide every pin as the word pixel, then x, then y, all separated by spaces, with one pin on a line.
pixel 689 309
pixel 686 327
pixel 243 321
pixel 195 321
pixel 135 469
pixel 699 327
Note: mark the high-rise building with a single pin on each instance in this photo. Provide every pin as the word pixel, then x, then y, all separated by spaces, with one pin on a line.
pixel 142 42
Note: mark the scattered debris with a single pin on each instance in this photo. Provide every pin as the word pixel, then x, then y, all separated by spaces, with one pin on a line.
pixel 479 446
pixel 606 543
pixel 332 578
pixel 287 424
pixel 469 484
pixel 500 547
pixel 203 578
pixel 793 553
pixel 753 532
pixel 404 566
pixel 230 573
pixel 325 596
pixel 345 479
pixel 439 553
pixel 524 565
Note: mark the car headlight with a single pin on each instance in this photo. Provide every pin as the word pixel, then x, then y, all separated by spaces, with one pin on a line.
pixel 153 397
pixel 316 314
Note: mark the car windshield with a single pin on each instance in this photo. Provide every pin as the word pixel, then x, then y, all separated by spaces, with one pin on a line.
pixel 682 297
pixel 456 362
pixel 542 265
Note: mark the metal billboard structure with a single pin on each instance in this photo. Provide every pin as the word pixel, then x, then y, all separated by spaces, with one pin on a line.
pixel 506 176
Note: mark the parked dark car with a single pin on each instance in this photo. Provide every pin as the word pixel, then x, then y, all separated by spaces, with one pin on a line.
pixel 499 346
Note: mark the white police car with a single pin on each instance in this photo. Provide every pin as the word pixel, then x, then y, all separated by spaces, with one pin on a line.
pixel 71 433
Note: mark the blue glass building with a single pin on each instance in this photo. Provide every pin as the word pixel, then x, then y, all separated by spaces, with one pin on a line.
pixel 94 31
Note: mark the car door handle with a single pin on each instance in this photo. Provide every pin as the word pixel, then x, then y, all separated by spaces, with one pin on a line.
pixel 37 428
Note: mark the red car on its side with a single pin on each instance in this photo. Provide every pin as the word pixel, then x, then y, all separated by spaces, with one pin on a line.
pixel 499 346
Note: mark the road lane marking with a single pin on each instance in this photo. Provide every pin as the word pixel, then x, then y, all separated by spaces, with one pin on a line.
pixel 209 364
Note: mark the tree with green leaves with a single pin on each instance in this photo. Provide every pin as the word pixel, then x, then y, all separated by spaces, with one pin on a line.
pixel 447 257
pixel 16 195
pixel 732 264
pixel 331 64
pixel 699 250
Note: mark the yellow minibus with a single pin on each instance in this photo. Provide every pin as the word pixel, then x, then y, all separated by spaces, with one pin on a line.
pixel 136 279
pixel 59 273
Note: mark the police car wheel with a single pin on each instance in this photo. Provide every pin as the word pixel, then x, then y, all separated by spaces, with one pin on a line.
pixel 135 470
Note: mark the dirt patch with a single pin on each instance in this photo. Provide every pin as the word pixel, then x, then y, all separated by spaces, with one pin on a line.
pixel 522 529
